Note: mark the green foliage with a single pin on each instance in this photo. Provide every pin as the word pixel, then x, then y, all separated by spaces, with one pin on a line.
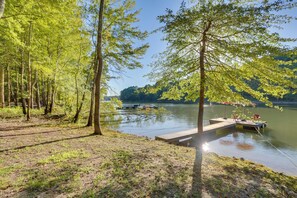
pixel 240 49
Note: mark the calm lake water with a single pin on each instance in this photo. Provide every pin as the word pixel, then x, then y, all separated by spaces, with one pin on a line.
pixel 281 133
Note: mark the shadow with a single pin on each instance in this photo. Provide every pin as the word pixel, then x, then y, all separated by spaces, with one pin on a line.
pixel 44 132
pixel 49 182
pixel 16 128
pixel 196 190
pixel 44 143
pixel 124 172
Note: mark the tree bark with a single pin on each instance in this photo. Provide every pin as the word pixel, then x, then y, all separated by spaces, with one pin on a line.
pixel 91 113
pixel 37 90
pixel 2 7
pixel 22 83
pixel 2 96
pixel 29 75
pixel 16 95
pixel 99 62
pixel 48 88
pixel 43 95
pixel 8 87
pixel 202 78
pixel 52 97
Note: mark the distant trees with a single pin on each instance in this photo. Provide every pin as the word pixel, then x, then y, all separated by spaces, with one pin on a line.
pixel 144 94
pixel 215 48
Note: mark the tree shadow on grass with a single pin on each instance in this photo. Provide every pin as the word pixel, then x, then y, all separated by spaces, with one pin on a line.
pixel 44 143
pixel 124 176
pixel 17 128
pixel 49 182
pixel 196 190
pixel 42 132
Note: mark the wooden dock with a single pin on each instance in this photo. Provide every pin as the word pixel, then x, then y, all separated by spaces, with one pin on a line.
pixel 215 124
pixel 176 137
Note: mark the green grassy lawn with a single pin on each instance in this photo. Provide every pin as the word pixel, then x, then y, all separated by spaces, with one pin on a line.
pixel 46 158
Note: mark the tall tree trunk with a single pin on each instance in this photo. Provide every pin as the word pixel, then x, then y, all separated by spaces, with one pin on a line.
pixel 202 79
pixel 22 83
pixel 52 97
pixel 43 95
pixel 91 112
pixel 37 90
pixel 48 88
pixel 2 95
pixel 2 7
pixel 79 106
pixel 75 118
pixel 29 74
pixel 8 86
pixel 17 87
pixel 99 62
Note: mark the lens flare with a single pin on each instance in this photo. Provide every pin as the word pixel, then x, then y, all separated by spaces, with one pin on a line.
pixel 205 146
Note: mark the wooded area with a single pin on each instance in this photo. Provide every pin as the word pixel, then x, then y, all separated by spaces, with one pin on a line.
pixel 59 55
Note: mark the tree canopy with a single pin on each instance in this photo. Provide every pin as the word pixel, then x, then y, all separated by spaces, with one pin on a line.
pixel 215 48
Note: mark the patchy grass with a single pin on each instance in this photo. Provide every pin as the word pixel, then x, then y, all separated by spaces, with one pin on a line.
pixel 51 159
pixel 64 156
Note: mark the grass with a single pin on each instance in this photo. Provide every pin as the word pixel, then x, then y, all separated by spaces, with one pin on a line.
pixel 50 159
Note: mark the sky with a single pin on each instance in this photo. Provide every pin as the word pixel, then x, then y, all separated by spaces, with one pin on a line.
pixel 150 10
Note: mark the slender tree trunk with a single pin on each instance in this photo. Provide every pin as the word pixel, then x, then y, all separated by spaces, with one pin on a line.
pixel 29 75
pixel 22 83
pixel 52 97
pixel 37 90
pixel 2 95
pixel 8 86
pixel 79 106
pixel 99 61
pixel 91 113
pixel 2 7
pixel 75 119
pixel 17 87
pixel 32 88
pixel 202 79
pixel 48 88
pixel 43 95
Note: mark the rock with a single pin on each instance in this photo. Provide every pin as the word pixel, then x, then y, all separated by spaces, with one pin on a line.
pixel 242 159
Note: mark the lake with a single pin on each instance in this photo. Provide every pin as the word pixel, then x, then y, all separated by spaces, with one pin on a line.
pixel 277 148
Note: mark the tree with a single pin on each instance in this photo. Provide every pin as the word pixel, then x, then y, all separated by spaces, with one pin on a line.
pixel 115 45
pixel 98 74
pixel 2 6
pixel 215 48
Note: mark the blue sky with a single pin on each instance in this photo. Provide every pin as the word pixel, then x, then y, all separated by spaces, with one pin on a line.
pixel 150 9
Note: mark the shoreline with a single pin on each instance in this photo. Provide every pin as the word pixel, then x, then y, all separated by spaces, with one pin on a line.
pixel 55 158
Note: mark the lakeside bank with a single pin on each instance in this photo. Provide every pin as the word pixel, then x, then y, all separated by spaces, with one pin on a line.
pixel 48 158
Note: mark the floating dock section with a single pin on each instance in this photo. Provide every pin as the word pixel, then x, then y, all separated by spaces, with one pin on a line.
pixel 215 124
pixel 247 124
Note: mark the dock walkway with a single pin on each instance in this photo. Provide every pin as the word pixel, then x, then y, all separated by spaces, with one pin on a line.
pixel 215 124
pixel 175 137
